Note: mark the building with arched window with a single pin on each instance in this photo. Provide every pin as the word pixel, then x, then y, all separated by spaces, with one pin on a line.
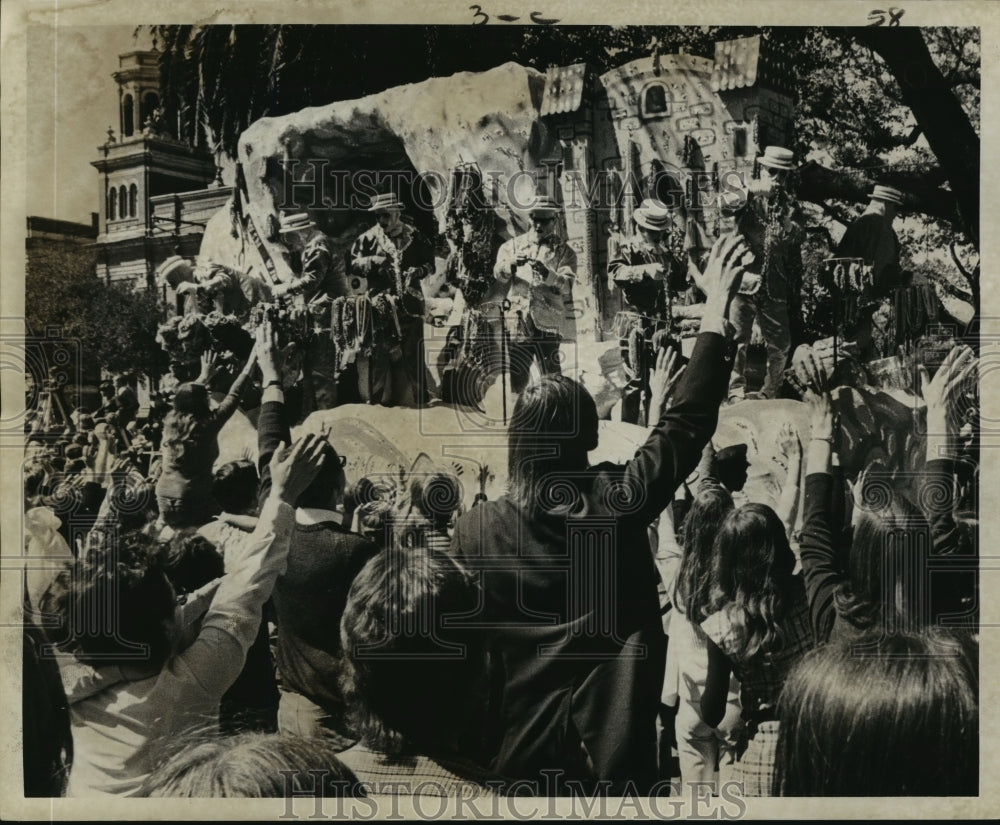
pixel 143 166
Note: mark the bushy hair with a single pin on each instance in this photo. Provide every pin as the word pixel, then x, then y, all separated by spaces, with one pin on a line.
pixel 553 413
pixel 182 436
pixel 693 587
pixel 234 486
pixel 752 573
pixel 328 484
pixel 190 560
pixel 414 676
pixel 115 607
pixel 887 557
pixel 252 766
pixel 437 497
pixel 882 716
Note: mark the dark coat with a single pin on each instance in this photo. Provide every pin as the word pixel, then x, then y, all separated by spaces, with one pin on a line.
pixel 571 604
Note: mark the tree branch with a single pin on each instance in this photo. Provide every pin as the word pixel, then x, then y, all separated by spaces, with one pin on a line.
pixel 921 188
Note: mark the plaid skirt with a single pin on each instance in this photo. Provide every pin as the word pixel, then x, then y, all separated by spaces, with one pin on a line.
pixel 755 768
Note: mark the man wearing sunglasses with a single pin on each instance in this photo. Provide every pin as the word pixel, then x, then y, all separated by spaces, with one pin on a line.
pixel 540 268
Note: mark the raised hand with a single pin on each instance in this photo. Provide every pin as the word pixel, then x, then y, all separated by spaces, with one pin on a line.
pixel 663 381
pixel 939 393
pixel 723 271
pixel 265 348
pixel 209 366
pixel 821 420
pixel 788 441
pixel 293 469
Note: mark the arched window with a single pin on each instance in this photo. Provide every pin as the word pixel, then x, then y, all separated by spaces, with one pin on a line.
pixel 122 201
pixel 150 103
pixel 128 116
pixel 133 192
pixel 112 204
pixel 654 101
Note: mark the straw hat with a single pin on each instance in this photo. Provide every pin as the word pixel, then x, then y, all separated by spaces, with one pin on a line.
pixel 778 157
pixel 652 214
pixel 384 202
pixel 888 194
pixel 295 222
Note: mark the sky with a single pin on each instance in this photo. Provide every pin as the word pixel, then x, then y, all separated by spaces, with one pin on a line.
pixel 72 101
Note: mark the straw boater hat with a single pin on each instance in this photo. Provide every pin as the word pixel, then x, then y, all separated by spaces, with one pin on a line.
pixel 380 203
pixel 295 222
pixel 778 157
pixel 542 205
pixel 887 194
pixel 652 214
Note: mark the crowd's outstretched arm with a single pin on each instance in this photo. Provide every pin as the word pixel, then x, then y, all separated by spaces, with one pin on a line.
pixel 675 444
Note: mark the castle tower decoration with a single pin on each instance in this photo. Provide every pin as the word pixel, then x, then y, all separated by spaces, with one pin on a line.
pixel 679 127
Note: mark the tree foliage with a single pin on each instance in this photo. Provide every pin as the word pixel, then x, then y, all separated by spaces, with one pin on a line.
pixel 114 324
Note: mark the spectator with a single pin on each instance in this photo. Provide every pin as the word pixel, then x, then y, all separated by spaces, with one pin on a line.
pixel 252 766
pixel 571 699
pixel 875 582
pixel 900 719
pixel 415 680
pixel 426 516
pixel 758 628
pixel 700 747
pixel 190 448
pixel 118 731
pixel 309 598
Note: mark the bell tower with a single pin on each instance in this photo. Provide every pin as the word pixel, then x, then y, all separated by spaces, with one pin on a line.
pixel 144 161
pixel 138 79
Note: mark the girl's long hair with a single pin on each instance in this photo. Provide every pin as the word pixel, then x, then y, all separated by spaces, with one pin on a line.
pixel 882 715
pixel 552 428
pixel 693 587
pixel 753 575
pixel 886 565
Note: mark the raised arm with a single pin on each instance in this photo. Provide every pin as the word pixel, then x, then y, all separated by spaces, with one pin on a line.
pixel 819 563
pixel 668 552
pixel 229 404
pixel 206 669
pixel 272 423
pixel 675 444
pixel 937 478
pixel 791 448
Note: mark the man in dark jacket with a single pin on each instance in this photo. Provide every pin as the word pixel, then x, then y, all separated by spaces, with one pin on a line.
pixel 571 591
pixel 310 596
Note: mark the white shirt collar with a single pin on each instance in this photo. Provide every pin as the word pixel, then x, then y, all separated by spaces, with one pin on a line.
pixel 316 515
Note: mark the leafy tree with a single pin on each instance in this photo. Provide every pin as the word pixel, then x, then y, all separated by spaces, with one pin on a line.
pixel 118 330
pixel 114 324
pixel 59 282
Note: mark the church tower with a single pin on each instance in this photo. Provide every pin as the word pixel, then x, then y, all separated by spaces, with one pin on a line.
pixel 145 160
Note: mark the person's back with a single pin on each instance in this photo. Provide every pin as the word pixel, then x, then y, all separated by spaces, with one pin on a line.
pixel 565 563
pixel 581 643
pixel 309 601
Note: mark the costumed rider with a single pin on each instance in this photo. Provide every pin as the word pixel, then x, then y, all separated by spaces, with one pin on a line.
pixel 871 239
pixel 770 221
pixel 318 275
pixel 390 260
pixel 540 268
pixel 470 359
pixel 649 277
pixel 317 279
